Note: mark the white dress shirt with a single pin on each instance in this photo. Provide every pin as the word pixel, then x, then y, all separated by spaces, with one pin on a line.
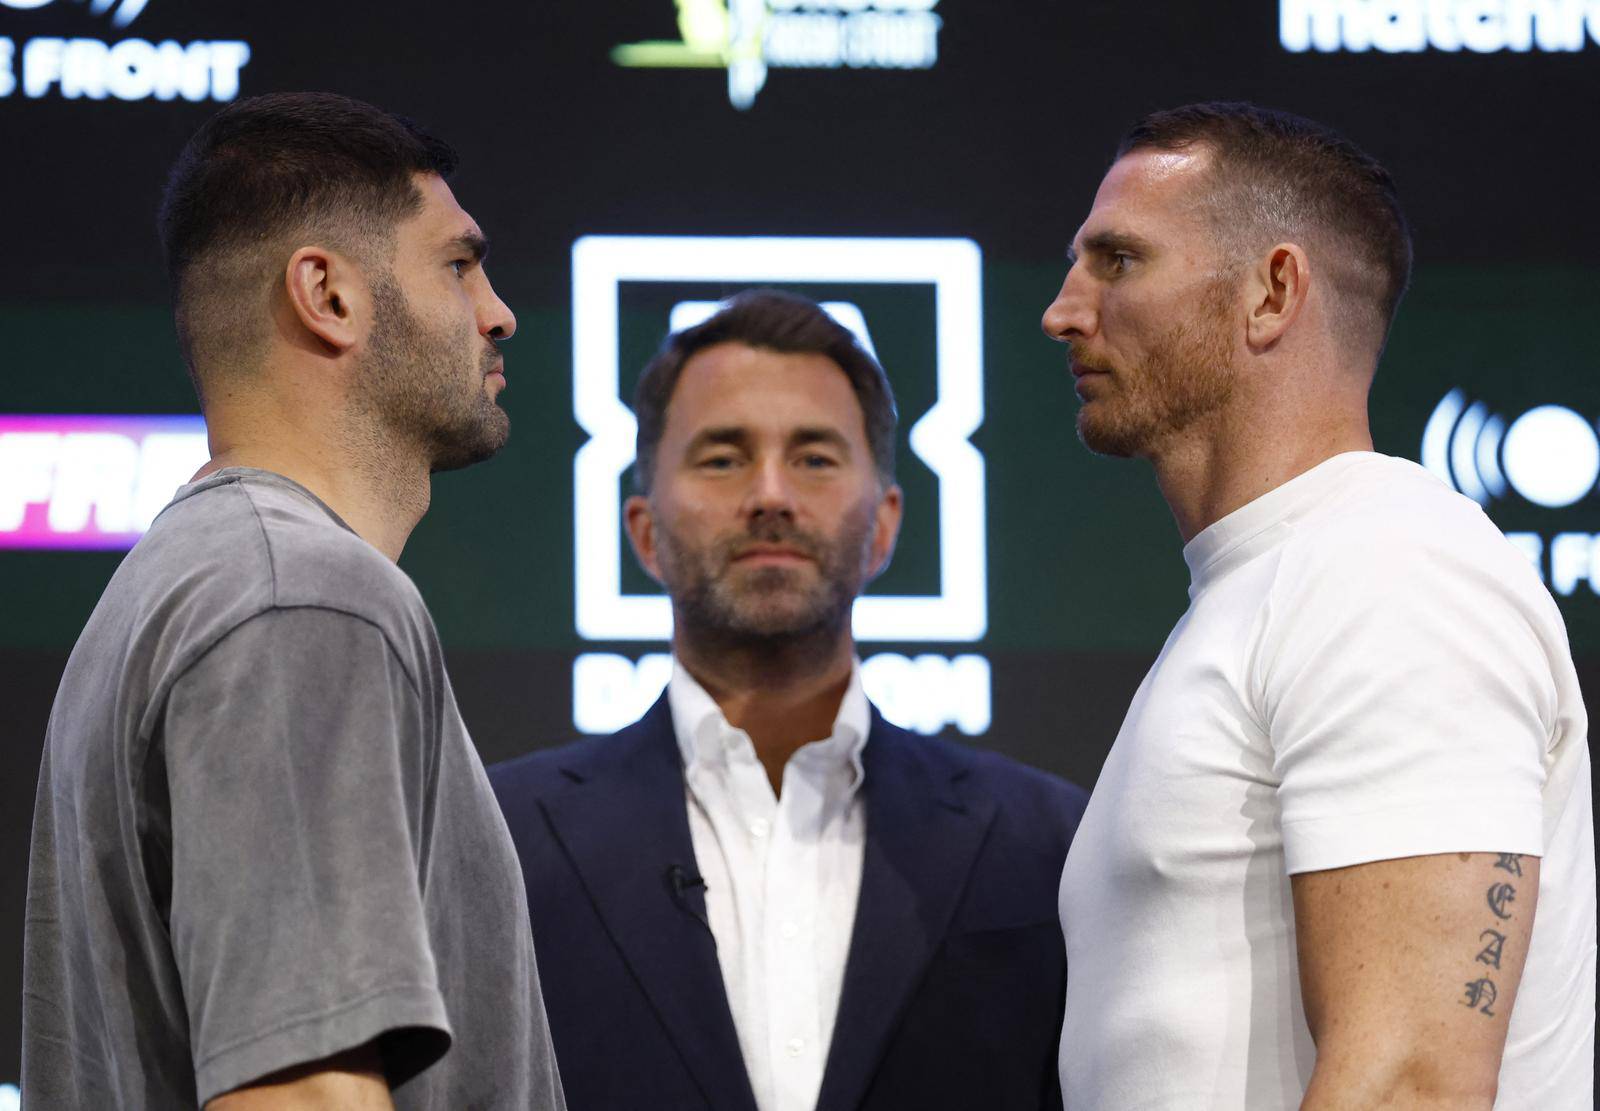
pixel 782 875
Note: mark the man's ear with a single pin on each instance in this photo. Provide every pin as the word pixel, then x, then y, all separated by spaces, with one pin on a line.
pixel 1275 294
pixel 329 297
pixel 885 530
pixel 641 524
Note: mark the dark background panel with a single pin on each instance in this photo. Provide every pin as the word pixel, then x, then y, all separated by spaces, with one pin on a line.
pixel 1003 141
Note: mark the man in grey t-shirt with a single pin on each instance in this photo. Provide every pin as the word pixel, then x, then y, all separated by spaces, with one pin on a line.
pixel 267 867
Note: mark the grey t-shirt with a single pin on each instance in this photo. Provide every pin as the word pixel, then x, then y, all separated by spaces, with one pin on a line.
pixel 262 835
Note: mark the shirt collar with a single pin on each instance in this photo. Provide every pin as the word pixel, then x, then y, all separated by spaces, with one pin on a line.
pixel 704 734
pixel 1254 526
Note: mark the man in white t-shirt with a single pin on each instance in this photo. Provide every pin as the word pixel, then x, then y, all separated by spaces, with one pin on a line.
pixel 1310 868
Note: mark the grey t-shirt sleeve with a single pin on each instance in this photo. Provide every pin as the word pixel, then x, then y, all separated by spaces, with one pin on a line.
pixel 297 757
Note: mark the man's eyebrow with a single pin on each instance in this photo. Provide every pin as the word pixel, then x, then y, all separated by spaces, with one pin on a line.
pixel 819 434
pixel 472 244
pixel 1112 242
pixel 730 435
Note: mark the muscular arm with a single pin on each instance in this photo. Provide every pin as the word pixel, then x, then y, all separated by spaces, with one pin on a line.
pixel 1409 969
pixel 348 1082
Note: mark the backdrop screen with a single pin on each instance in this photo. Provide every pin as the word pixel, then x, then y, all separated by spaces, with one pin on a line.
pixel 919 166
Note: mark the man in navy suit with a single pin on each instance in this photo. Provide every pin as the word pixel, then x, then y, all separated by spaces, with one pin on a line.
pixel 761 896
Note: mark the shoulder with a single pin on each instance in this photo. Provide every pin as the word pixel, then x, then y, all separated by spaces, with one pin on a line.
pixel 1021 786
pixel 530 776
pixel 1397 600
pixel 1392 512
pixel 262 536
pixel 642 748
pixel 1017 790
pixel 246 546
pixel 1393 535
pixel 316 561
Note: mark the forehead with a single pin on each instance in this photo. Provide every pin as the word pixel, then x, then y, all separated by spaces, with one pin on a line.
pixel 441 217
pixel 735 385
pixel 1149 193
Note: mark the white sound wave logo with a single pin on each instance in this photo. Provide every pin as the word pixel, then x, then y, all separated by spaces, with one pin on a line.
pixel 123 12
pixel 1550 455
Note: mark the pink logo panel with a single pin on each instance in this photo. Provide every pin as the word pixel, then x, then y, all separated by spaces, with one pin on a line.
pixel 91 481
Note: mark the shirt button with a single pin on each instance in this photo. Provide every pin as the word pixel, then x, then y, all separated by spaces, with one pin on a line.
pixel 760 827
pixel 790 931
pixel 794 1047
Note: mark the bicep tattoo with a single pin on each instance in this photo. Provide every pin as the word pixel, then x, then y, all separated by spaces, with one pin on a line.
pixel 1482 992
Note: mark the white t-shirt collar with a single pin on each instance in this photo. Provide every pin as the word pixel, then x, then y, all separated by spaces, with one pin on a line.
pixel 1240 533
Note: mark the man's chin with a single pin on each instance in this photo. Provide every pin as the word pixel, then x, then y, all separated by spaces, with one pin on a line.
pixel 774 619
pixel 1105 438
pixel 773 613
pixel 474 445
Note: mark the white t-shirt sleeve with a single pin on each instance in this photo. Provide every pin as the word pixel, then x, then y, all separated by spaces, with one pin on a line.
pixel 1407 689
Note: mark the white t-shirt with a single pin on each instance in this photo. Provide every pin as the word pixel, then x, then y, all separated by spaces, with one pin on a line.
pixel 1367 670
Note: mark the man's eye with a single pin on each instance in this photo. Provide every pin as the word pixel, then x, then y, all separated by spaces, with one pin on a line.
pixel 818 462
pixel 1120 262
pixel 717 462
pixel 460 266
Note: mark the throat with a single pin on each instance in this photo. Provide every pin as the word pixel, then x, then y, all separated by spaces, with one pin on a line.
pixel 780 715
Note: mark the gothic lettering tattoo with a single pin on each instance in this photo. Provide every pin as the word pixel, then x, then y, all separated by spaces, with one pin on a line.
pixel 1482 993
pixel 1481 996
pixel 1491 952
pixel 1500 896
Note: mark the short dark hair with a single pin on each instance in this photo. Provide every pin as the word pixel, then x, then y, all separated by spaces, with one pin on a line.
pixel 1277 174
pixel 265 169
pixel 774 320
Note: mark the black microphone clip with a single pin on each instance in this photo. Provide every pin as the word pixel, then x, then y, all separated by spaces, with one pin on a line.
pixel 688 891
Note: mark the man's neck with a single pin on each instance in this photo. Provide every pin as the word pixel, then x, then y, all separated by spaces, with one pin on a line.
pixel 1209 472
pixel 381 499
pixel 782 698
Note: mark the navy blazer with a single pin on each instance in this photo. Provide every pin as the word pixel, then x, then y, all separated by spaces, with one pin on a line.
pixel 954 987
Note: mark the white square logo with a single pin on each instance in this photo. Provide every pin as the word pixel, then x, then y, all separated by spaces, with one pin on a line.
pixel 952 267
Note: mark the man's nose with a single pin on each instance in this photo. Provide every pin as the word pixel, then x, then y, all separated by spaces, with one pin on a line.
pixel 495 318
pixel 771 491
pixel 1073 314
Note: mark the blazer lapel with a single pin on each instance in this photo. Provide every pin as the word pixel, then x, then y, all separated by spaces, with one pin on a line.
pixel 922 841
pixel 625 827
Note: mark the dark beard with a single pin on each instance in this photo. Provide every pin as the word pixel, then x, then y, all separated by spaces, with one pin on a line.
pixel 407 381
pixel 1187 375
pixel 769 611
